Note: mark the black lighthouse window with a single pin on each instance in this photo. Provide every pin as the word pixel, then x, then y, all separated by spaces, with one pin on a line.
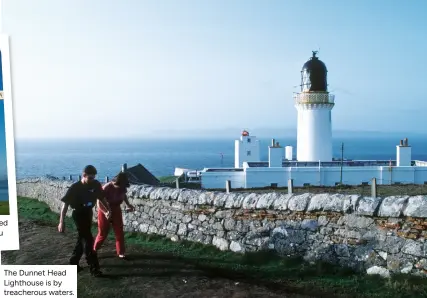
pixel 314 75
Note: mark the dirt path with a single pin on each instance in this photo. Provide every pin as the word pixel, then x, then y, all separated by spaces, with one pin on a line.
pixel 145 275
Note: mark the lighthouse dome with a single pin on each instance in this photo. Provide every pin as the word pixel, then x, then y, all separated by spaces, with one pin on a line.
pixel 314 75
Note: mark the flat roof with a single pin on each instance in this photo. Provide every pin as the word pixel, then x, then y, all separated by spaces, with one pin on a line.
pixel 336 163
pixel 223 170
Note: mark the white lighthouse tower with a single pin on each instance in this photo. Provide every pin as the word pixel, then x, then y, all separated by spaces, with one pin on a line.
pixel 314 105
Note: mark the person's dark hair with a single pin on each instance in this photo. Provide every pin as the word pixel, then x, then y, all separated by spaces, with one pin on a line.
pixel 90 170
pixel 122 180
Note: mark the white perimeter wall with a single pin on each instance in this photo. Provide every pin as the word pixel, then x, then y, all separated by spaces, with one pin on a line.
pixel 217 179
pixel 263 177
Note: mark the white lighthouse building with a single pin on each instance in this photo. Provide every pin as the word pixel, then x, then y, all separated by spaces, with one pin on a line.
pixel 246 149
pixel 314 164
pixel 314 105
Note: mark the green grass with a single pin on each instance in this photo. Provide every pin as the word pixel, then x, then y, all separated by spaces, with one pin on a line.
pixel 362 190
pixel 265 267
pixel 167 179
pixel 4 208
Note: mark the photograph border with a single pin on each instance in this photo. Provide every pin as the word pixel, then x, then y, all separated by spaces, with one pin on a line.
pixel 10 238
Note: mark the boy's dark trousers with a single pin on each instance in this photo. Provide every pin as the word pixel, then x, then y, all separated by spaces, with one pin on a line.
pixel 84 244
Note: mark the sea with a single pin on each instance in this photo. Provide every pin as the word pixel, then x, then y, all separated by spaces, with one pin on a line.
pixel 61 158
pixel 4 190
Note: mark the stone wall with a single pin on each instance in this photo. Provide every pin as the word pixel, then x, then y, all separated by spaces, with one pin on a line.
pixel 375 235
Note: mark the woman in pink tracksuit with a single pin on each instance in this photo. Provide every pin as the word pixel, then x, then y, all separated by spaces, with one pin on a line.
pixel 115 194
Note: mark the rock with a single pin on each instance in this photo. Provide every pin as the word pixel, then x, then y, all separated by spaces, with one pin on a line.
pixel 172 227
pixel 318 202
pixel 186 219
pixel 322 220
pixel 184 194
pixel 309 224
pixel 375 270
pixel 383 255
pixel 238 203
pixel 230 200
pixel 242 226
pixel 421 264
pixel 218 226
pixel 350 203
pixel 182 229
pixel 407 269
pixel 392 244
pixel 345 233
pixel 267 200
pixel 206 198
pixel 220 243
pixel 143 228
pixel 174 194
pixel 414 248
pixel 342 250
pixel 250 201
pixel 229 224
pixel 416 207
pixel 281 203
pixel 236 247
pixel 299 202
pixel 367 206
pixel 202 217
pixel 292 236
pixel 357 222
pixel 392 206
pixel 326 202
pixel 219 200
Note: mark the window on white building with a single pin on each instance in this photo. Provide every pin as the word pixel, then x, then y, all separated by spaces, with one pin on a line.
pixel 248 153
pixel 249 140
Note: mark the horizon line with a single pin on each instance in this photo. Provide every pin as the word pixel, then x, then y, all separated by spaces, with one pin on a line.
pixel 190 137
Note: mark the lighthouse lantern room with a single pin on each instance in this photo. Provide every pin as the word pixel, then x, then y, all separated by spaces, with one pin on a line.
pixel 314 105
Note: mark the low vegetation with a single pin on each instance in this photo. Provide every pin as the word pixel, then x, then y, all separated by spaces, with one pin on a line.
pixel 286 275
pixel 4 208
pixel 167 179
pixel 363 190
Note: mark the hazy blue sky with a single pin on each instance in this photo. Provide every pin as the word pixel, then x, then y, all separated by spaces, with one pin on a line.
pixel 93 68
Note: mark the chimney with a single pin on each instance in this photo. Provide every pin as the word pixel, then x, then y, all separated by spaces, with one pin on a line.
pixel 403 154
pixel 273 142
pixel 275 155
pixel 401 142
pixel 124 167
pixel 289 154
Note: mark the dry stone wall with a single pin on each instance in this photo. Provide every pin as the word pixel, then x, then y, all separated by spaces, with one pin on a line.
pixel 374 235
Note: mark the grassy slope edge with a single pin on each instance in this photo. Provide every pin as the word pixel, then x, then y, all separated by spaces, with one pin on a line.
pixel 264 267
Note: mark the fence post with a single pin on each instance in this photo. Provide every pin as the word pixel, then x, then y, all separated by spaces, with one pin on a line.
pixel 63 178
pixel 290 186
pixel 227 186
pixel 80 177
pixel 107 179
pixel 374 188
pixel 71 177
pixel 177 183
